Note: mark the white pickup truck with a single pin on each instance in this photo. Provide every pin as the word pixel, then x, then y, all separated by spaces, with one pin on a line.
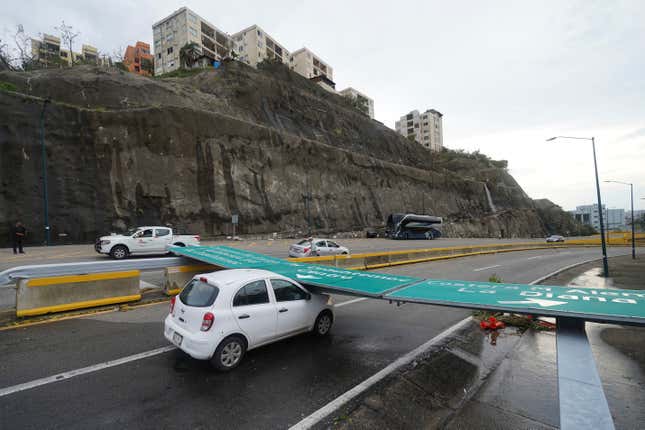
pixel 142 241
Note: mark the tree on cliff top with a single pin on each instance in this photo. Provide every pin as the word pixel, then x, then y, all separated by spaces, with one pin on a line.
pixel 67 36
pixel 188 55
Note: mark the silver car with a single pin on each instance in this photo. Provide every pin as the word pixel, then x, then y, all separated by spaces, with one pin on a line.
pixel 555 238
pixel 316 247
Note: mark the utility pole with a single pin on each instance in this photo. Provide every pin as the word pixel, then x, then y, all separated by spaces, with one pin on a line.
pixel 307 198
pixel 605 264
pixel 44 157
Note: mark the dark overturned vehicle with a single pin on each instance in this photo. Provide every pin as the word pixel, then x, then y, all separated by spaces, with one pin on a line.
pixel 412 226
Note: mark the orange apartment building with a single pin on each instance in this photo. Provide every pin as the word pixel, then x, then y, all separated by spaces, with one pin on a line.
pixel 134 56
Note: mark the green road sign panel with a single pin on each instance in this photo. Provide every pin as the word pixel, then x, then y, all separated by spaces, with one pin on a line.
pixel 227 257
pixel 333 278
pixel 603 305
pixel 593 304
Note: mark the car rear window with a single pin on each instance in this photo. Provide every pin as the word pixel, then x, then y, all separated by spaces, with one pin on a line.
pixel 304 242
pixel 198 293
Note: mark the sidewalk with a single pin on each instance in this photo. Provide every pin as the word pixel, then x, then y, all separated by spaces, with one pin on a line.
pixel 523 390
pixel 513 384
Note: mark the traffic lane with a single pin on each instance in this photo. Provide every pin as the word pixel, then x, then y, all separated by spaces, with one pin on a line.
pixel 42 350
pixel 275 386
pixel 275 248
pixel 515 267
pixel 98 338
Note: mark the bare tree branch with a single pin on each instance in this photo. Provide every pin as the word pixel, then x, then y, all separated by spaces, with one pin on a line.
pixel 67 36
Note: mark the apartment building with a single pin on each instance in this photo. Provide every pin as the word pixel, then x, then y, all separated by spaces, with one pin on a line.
pixel 48 51
pixel 253 45
pixel 183 27
pixel 309 65
pixel 364 100
pixel 138 59
pixel 425 128
pixel 614 219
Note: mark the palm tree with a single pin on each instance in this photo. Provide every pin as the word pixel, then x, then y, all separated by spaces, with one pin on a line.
pixel 188 54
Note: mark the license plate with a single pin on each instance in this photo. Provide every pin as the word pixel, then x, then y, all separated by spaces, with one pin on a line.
pixel 177 338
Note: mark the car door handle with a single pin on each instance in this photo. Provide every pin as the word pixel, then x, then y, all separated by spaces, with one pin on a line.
pixel 283 310
pixel 245 316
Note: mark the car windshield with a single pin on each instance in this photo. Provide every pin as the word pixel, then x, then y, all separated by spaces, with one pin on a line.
pixel 198 293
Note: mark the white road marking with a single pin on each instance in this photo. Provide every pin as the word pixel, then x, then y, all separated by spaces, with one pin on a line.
pixel 78 372
pixel 537 256
pixel 349 302
pixel 484 268
pixel 339 401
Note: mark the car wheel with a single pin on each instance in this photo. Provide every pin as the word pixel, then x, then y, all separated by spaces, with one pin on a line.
pixel 323 323
pixel 179 244
pixel 229 353
pixel 344 253
pixel 119 252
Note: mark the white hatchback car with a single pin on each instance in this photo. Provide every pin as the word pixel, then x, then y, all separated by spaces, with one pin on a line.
pixel 221 315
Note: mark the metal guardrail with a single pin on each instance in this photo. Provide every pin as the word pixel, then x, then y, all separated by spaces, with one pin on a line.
pixel 62 269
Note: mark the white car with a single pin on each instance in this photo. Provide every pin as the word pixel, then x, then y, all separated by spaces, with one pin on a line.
pixel 221 315
pixel 555 238
pixel 316 247
pixel 143 241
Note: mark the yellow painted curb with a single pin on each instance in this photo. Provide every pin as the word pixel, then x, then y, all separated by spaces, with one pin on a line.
pixel 77 305
pixel 40 282
pixel 184 269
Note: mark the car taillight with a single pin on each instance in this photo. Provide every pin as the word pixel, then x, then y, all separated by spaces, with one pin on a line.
pixel 306 250
pixel 207 322
pixel 172 305
pixel 197 237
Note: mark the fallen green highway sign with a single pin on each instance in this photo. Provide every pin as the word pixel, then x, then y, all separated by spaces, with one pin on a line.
pixel 592 304
pixel 601 305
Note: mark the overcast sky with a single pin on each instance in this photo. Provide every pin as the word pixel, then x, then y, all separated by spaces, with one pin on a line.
pixel 505 74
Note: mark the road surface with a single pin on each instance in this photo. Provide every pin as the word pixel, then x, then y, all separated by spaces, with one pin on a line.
pixel 275 386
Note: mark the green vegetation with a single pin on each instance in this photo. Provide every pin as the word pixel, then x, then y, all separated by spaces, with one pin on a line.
pixel 494 278
pixel 181 73
pixel 188 55
pixel 147 65
pixel 358 103
pixel 7 86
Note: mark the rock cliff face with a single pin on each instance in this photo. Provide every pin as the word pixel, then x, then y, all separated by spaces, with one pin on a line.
pixel 126 150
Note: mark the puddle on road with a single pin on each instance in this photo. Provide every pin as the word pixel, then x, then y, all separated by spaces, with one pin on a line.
pixel 592 278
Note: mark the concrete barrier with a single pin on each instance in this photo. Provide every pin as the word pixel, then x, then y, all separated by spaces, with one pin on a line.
pixel 377 260
pixel 176 277
pixel 38 296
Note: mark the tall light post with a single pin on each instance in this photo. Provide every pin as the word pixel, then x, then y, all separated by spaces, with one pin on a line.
pixel 44 157
pixel 631 191
pixel 605 264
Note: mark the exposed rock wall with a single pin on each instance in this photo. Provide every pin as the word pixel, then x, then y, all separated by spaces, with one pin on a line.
pixel 124 150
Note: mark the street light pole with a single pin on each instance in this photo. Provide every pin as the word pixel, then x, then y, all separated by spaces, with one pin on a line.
pixel 631 192
pixel 605 264
pixel 44 157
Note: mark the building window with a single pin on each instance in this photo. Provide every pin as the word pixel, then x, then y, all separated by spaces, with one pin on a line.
pixel 416 125
pixel 169 38
pixel 193 31
pixel 410 130
pixel 169 50
pixel 259 33
pixel 159 55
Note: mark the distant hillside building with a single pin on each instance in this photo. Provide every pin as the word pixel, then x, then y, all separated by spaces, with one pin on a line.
pixel 253 45
pixel 48 51
pixel 309 65
pixel 183 27
pixel 424 128
pixel 588 214
pixel 138 59
pixel 368 102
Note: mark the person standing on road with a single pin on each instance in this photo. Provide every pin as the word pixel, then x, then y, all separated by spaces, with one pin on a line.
pixel 18 234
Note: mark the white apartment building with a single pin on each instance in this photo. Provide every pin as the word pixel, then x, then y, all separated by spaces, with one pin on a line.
pixel 614 219
pixel 180 28
pixel 253 45
pixel 425 128
pixel 351 92
pixel 309 65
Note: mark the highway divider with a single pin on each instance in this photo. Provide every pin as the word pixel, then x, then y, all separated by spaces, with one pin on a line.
pixel 176 277
pixel 38 296
pixel 377 260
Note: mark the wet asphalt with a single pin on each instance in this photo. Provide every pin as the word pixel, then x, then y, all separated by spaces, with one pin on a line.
pixel 274 387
